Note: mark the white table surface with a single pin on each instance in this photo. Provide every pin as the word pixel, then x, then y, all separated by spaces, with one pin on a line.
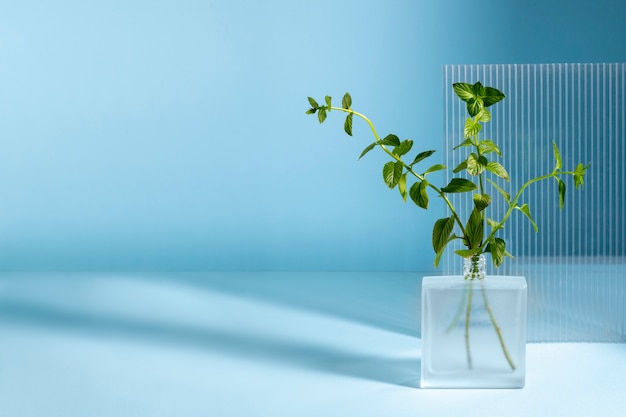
pixel 257 344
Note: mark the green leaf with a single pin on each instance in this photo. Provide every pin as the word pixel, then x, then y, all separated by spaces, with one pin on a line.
pixel 346 102
pixel 497 169
pixel 402 186
pixel 492 223
pixel 579 175
pixel 311 111
pixel 441 233
pixel 459 185
pixel 366 150
pixel 313 103
pixel 476 164
pixel 561 192
pixel 466 253
pixel 557 156
pixel 390 140
pixel 482 201
pixel 474 106
pixel 392 171
pixel 466 142
pixel 464 91
pixel 419 195
pixel 460 167
pixel 389 170
pixel 471 128
pixel 484 115
pixel 488 146
pixel 347 126
pixel 321 114
pixel 403 148
pixel 479 90
pixel 474 229
pixel 435 168
pixel 507 196
pixel 438 257
pixel 477 96
pixel 442 250
pixel 497 248
pixel 492 96
pixel 421 156
pixel 328 101
pixel 526 210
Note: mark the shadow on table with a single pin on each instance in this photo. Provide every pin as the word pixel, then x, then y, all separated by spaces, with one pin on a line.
pixel 257 348
pixel 386 300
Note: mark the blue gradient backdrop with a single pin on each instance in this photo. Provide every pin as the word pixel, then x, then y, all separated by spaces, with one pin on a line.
pixel 171 135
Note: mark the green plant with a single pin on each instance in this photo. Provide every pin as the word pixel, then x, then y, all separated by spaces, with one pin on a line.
pixel 480 170
pixel 472 232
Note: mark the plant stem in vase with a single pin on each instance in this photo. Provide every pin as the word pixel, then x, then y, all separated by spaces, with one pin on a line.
pixel 487 319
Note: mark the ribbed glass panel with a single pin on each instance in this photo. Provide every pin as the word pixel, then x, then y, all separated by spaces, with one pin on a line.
pixel 576 264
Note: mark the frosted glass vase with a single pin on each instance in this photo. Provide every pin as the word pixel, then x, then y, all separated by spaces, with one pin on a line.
pixel 473 330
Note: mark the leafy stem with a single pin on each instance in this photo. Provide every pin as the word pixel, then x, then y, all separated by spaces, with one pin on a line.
pixel 476 165
pixel 397 158
pixel 513 205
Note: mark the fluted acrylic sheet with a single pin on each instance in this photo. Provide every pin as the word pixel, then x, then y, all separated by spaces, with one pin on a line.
pixel 576 264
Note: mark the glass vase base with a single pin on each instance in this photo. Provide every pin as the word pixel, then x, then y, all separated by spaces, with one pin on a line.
pixel 473 332
pixel 476 380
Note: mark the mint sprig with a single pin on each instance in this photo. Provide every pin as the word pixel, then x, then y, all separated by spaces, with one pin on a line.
pixel 479 233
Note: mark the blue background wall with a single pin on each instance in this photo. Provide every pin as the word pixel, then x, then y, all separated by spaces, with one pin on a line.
pixel 163 135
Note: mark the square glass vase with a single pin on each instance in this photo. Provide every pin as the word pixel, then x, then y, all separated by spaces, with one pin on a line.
pixel 473 332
